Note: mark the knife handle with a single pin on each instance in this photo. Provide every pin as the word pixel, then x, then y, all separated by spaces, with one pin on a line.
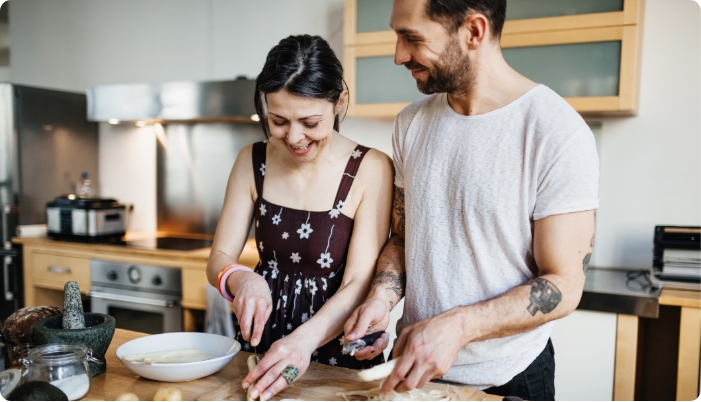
pixel 370 339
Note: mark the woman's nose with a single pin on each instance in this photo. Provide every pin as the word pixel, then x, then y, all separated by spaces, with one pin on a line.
pixel 295 134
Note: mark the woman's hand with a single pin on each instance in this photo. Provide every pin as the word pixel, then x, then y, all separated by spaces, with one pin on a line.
pixel 252 303
pixel 292 350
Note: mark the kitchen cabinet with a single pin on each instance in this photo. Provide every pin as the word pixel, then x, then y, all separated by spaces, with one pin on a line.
pixel 587 51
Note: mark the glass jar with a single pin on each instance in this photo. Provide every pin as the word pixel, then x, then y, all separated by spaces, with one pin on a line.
pixel 64 366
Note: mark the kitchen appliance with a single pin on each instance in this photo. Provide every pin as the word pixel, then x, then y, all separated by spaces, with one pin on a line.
pixel 89 219
pixel 676 261
pixel 46 143
pixel 142 298
pixel 200 127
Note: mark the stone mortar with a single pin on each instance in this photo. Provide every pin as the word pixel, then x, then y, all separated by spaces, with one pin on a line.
pixel 97 335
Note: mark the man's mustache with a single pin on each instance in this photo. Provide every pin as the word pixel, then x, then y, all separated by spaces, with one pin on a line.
pixel 413 65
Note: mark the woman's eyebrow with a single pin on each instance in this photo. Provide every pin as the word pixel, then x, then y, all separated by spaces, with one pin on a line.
pixel 301 118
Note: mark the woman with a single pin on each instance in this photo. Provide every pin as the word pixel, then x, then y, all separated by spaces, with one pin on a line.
pixel 320 204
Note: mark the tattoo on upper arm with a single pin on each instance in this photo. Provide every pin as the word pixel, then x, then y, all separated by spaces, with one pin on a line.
pixel 545 296
pixel 399 209
pixel 585 262
pixel 396 283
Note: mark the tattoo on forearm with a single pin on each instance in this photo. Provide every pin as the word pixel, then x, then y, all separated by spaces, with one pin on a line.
pixel 396 283
pixel 545 296
pixel 399 209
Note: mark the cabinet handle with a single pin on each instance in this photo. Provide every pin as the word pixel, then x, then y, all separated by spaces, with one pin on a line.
pixel 58 270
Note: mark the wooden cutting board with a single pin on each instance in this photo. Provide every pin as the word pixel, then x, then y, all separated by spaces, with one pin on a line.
pixel 322 382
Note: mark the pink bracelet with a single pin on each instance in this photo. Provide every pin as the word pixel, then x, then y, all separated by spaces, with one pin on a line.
pixel 224 275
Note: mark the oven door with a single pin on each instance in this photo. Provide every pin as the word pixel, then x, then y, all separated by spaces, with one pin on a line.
pixel 139 311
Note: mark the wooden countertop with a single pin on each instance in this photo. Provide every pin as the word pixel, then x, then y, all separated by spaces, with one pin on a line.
pixel 196 258
pixel 321 382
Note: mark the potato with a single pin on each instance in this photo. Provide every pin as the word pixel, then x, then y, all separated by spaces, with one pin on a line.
pixel 168 394
pixel 127 397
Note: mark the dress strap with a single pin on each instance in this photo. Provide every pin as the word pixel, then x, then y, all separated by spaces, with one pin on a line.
pixel 258 157
pixel 349 174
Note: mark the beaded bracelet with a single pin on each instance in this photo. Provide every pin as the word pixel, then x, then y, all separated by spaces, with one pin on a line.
pixel 224 275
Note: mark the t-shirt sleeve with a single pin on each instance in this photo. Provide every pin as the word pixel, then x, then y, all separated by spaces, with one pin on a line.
pixel 571 182
pixel 397 157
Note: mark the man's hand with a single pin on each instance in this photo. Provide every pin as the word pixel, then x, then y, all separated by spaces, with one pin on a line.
pixel 427 350
pixel 370 317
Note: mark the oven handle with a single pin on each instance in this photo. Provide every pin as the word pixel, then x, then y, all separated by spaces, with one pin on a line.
pixel 132 299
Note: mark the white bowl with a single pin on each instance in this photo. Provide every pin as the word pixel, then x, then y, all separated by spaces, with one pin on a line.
pixel 222 349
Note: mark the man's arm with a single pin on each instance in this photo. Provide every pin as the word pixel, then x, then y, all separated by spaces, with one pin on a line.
pixel 387 287
pixel 562 247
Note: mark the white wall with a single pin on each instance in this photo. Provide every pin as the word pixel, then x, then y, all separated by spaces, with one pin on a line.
pixel 651 164
pixel 127 165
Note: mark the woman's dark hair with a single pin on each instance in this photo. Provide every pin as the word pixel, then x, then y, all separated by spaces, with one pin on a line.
pixel 304 66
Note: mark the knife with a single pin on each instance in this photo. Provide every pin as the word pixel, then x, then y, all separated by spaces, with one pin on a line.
pixel 354 346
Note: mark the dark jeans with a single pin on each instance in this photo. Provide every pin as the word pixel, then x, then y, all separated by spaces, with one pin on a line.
pixel 536 382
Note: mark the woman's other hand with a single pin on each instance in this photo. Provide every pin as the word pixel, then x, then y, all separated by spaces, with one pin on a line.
pixel 292 350
pixel 252 303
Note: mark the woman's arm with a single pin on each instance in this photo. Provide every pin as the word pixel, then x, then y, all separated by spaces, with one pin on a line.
pixel 370 231
pixel 252 304
pixel 235 220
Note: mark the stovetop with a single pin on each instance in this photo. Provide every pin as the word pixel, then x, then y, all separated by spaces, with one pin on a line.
pixel 163 243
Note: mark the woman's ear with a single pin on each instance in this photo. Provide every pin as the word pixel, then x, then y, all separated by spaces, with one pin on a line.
pixel 342 102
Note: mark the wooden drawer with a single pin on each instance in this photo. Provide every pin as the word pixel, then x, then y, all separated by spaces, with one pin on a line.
pixel 53 271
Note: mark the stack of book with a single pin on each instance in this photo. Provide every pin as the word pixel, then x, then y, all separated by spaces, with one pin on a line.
pixel 677 256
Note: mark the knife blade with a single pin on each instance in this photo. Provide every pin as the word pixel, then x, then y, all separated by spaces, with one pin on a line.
pixel 354 346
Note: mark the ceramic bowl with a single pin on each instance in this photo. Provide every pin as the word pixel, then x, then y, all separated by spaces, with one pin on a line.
pixel 222 349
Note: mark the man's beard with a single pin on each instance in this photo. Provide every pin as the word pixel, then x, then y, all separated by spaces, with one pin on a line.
pixel 452 72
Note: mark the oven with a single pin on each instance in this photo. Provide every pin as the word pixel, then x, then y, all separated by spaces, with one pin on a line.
pixel 143 298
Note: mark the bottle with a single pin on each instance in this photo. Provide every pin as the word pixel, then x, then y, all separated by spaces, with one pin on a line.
pixel 84 189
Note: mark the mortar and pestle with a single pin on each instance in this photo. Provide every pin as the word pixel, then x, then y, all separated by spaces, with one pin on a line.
pixel 93 330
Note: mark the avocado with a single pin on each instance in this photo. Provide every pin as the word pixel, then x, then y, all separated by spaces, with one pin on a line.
pixel 37 391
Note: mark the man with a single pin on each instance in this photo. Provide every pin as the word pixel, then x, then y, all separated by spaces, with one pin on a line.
pixel 494 211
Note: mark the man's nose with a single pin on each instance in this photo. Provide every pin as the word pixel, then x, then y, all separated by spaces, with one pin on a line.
pixel 401 55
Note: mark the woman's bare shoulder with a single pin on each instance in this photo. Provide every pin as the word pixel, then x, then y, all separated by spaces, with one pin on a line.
pixel 376 167
pixel 244 160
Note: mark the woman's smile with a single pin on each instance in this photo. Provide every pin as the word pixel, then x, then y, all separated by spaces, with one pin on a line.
pixel 301 149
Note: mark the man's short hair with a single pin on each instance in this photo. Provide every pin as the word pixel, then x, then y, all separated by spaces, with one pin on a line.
pixel 452 13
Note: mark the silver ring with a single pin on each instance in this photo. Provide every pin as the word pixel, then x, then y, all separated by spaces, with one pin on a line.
pixel 289 373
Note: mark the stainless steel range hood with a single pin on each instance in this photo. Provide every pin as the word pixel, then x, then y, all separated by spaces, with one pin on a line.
pixel 180 101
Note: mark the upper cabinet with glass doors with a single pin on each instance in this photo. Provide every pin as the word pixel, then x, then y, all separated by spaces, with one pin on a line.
pixel 588 51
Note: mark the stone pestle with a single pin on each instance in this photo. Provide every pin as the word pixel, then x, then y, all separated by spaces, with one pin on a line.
pixel 73 317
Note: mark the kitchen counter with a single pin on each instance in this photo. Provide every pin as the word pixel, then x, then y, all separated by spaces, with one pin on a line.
pixel 321 382
pixel 609 290
pixel 249 256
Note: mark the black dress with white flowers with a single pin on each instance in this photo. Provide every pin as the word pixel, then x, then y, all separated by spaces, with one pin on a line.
pixel 302 258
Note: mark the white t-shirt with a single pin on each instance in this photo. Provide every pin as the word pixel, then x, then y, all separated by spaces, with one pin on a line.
pixel 473 187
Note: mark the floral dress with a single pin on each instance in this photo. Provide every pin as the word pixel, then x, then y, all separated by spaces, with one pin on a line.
pixel 302 258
